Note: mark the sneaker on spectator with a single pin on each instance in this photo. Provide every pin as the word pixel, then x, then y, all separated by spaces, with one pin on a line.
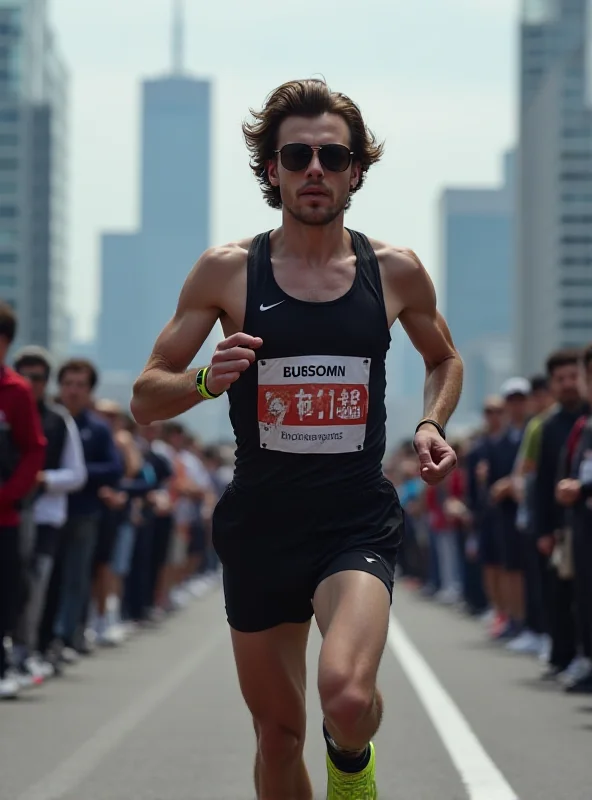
pixel 581 686
pixel 63 653
pixel 39 666
pixel 579 668
pixel 199 587
pixel 9 688
pixel 527 643
pixel 111 637
pixel 498 627
pixel 488 617
pixel 545 650
pixel 447 597
pixel 180 597
pixel 85 642
pixel 24 678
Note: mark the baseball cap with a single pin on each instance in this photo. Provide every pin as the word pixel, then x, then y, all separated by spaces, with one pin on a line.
pixel 36 352
pixel 515 386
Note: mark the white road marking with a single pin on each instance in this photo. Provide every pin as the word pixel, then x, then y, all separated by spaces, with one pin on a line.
pixel 71 772
pixel 481 777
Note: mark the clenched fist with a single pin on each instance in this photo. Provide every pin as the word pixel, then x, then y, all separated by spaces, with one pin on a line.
pixel 232 357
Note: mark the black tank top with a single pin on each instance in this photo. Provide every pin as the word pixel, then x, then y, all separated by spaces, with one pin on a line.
pixel 310 412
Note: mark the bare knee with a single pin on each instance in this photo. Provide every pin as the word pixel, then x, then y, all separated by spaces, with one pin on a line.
pixel 345 699
pixel 279 744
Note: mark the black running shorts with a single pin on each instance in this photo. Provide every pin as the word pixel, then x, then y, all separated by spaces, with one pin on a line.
pixel 275 550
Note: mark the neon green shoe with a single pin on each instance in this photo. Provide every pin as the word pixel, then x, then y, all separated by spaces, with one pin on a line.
pixel 354 786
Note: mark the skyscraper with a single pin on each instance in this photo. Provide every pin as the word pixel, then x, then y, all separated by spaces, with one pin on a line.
pixel 477 263
pixel 33 98
pixel 143 271
pixel 554 262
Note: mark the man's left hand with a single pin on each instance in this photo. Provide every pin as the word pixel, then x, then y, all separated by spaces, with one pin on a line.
pixel 437 459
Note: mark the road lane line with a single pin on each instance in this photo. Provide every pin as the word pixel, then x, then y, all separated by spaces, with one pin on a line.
pixel 480 776
pixel 71 772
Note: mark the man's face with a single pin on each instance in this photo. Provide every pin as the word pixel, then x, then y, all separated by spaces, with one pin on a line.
pixel 494 418
pixel 75 391
pixel 539 401
pixel 565 384
pixel 517 409
pixel 314 195
pixel 37 376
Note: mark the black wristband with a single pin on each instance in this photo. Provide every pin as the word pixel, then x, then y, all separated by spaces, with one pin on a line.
pixel 436 425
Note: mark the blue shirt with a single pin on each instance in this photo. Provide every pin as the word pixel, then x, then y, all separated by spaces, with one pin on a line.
pixel 103 463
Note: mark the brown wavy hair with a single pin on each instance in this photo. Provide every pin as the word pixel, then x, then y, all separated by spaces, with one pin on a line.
pixel 305 98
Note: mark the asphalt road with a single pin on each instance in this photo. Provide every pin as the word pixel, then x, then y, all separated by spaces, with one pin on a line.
pixel 161 718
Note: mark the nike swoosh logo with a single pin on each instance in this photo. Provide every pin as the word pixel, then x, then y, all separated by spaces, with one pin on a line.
pixel 369 560
pixel 266 308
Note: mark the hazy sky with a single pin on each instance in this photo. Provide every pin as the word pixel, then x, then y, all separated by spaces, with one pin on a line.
pixel 436 79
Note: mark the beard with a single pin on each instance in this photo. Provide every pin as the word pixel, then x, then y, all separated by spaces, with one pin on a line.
pixel 317 214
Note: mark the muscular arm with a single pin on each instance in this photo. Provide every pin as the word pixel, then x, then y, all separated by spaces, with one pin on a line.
pixel 166 388
pixel 428 333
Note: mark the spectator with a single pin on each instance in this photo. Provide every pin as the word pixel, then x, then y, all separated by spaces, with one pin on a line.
pixel 190 487
pixel 157 453
pixel 502 457
pixel 22 453
pixel 482 511
pixel 574 494
pixel 445 514
pixel 533 639
pixel 68 604
pixel 116 532
pixel 557 591
pixel 63 472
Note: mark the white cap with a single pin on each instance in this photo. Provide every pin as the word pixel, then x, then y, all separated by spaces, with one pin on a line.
pixel 514 386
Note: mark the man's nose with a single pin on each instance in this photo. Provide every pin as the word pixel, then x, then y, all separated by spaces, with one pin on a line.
pixel 315 168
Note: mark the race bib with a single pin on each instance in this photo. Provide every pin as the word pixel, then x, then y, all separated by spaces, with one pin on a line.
pixel 313 404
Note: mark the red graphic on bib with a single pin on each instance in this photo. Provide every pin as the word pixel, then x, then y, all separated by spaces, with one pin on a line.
pixel 307 404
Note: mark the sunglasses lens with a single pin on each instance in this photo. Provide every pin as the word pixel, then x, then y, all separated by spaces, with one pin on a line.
pixel 335 157
pixel 296 157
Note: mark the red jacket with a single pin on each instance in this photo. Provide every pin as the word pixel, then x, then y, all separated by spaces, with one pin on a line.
pixel 436 496
pixel 21 425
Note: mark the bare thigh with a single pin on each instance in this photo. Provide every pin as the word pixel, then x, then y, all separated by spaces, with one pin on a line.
pixel 271 669
pixel 352 611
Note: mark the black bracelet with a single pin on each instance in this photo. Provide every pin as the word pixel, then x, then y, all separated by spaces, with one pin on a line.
pixel 436 425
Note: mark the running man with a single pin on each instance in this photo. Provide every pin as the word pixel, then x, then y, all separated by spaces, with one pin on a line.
pixel 309 525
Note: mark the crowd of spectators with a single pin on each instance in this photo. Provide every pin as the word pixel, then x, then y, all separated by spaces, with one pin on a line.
pixel 508 535
pixel 105 526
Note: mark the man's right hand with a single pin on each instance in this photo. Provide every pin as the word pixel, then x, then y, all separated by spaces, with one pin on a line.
pixel 546 545
pixel 232 357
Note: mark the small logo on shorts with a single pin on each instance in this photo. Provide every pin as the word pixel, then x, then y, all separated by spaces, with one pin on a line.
pixel 369 560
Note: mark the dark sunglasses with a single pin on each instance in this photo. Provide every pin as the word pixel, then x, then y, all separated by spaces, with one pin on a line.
pixel 296 157
pixel 34 377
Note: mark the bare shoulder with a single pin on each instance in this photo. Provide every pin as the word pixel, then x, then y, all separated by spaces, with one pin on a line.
pixel 405 279
pixel 218 272
pixel 397 262
pixel 223 260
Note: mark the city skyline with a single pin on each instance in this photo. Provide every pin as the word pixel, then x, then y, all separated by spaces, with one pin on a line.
pixel 553 279
pixel 416 101
pixel 174 220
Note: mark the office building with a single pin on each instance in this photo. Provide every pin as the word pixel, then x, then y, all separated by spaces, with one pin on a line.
pixel 143 271
pixel 33 140
pixel 554 230
pixel 477 250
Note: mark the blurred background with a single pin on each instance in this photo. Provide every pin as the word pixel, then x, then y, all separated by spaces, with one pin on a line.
pixel 121 160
